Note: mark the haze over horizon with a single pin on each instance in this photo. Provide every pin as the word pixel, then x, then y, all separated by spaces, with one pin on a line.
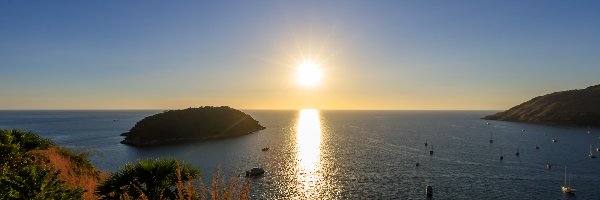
pixel 393 55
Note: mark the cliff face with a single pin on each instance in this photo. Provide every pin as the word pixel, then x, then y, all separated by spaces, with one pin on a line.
pixel 191 124
pixel 569 108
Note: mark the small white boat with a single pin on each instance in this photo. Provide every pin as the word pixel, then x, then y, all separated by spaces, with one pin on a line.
pixel 589 131
pixel 598 147
pixel 591 154
pixel 566 188
pixel 548 166
pixel 554 140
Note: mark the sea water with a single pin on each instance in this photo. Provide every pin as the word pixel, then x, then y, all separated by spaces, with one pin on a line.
pixel 355 154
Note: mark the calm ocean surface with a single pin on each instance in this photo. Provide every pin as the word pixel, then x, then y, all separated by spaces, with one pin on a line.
pixel 355 154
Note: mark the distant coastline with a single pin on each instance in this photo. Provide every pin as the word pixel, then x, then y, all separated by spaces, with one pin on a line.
pixel 566 108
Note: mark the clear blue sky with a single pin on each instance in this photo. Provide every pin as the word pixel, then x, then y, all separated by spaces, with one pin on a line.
pixel 375 54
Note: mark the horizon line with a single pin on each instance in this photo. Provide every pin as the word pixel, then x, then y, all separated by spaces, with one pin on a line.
pixel 249 109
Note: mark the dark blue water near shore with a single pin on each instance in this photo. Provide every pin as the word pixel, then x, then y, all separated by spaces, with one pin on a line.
pixel 355 154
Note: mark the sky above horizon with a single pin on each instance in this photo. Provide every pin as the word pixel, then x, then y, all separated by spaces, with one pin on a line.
pixel 384 55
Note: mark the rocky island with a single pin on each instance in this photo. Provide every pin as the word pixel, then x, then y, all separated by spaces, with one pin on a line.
pixel 192 124
pixel 566 108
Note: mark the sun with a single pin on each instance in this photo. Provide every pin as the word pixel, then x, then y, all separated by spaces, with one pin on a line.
pixel 309 73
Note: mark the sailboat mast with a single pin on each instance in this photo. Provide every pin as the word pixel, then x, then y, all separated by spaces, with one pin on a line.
pixel 565 176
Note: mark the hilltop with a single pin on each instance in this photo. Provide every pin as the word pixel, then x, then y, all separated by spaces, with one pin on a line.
pixel 192 124
pixel 569 108
pixel 35 168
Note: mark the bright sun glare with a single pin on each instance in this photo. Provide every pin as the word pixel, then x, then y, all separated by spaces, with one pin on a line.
pixel 309 73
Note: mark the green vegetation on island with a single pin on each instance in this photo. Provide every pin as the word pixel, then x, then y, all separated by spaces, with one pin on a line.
pixel 192 124
pixel 566 108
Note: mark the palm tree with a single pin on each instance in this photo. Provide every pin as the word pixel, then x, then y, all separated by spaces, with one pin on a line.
pixel 153 179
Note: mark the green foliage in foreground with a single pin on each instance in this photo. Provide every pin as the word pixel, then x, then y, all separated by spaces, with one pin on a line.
pixel 26 141
pixel 153 179
pixel 31 182
pixel 20 178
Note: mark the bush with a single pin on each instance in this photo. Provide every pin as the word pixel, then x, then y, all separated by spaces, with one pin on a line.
pixel 167 179
pixel 153 179
pixel 20 178
pixel 32 182
pixel 27 141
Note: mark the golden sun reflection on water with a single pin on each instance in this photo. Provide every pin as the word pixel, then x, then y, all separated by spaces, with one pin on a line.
pixel 308 143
